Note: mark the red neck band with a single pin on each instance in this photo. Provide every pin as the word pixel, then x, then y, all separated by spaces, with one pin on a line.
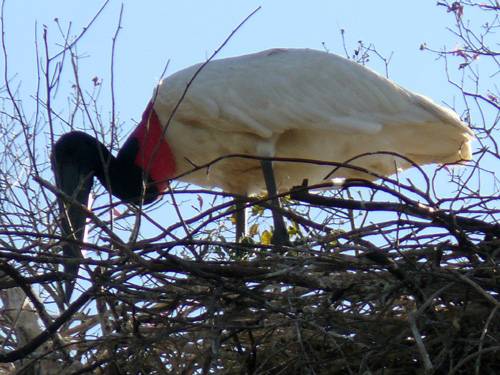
pixel 154 155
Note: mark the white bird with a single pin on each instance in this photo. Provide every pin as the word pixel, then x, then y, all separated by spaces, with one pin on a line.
pixel 291 103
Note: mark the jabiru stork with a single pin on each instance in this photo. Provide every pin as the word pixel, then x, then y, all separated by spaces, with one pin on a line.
pixel 292 103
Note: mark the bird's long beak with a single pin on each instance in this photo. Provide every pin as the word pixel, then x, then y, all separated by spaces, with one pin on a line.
pixel 75 181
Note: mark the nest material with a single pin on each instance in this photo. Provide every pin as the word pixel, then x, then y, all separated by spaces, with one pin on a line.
pixel 363 317
pixel 425 301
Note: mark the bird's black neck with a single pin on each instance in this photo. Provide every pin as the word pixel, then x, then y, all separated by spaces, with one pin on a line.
pixel 119 175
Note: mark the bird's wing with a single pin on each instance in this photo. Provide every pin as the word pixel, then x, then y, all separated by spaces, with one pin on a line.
pixel 273 91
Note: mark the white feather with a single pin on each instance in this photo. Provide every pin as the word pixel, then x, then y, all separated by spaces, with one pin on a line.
pixel 305 104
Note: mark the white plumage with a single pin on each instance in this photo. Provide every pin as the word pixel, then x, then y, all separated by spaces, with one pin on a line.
pixel 305 104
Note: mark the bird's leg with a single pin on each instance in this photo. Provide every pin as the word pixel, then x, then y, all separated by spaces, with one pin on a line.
pixel 241 218
pixel 280 235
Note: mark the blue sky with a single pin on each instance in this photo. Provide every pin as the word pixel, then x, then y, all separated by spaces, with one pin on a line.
pixel 187 32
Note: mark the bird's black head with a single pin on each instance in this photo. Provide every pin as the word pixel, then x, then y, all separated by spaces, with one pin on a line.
pixel 78 156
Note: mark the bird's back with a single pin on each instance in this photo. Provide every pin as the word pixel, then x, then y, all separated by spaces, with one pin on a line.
pixel 300 103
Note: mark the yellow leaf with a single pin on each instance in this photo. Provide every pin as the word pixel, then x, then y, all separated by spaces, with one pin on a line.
pixel 265 238
pixel 232 219
pixel 257 210
pixel 254 229
pixel 293 229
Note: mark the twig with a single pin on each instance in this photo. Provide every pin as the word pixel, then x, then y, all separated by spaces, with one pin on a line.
pixel 429 368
